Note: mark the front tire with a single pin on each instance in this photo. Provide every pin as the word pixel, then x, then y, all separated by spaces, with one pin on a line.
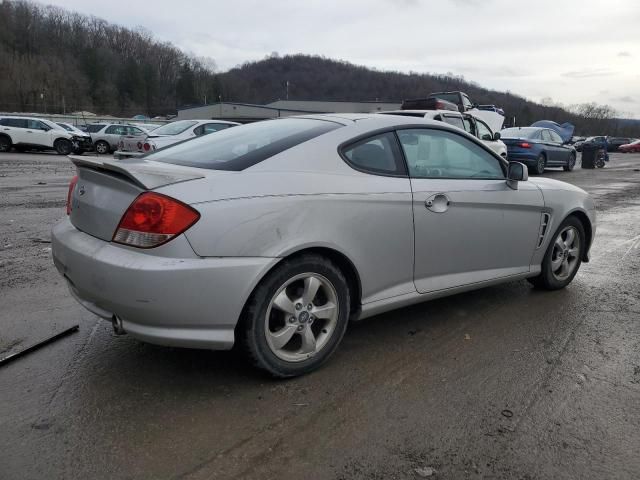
pixel 563 256
pixel 296 316
pixel 63 147
pixel 571 163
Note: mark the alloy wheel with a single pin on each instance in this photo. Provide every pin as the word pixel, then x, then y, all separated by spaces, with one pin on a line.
pixel 565 254
pixel 301 318
pixel 101 148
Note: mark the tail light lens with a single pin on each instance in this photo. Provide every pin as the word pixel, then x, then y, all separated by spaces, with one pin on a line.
pixel 72 185
pixel 153 219
pixel 146 147
pixel 525 145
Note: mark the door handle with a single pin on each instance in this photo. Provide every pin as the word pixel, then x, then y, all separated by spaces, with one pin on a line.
pixel 438 203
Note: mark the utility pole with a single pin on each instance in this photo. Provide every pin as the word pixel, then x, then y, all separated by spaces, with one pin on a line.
pixel 287 89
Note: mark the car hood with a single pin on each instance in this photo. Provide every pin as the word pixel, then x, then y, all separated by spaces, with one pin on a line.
pixel 565 130
pixel 551 184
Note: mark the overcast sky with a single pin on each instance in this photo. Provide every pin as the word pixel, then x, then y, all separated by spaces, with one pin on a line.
pixel 570 50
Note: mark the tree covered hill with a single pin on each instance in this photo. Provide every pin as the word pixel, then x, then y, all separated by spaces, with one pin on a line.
pixel 54 60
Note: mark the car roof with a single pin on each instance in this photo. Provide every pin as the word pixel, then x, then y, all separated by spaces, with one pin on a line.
pixel 371 119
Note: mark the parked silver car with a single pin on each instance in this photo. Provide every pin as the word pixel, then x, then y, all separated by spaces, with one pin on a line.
pixel 106 136
pixel 274 234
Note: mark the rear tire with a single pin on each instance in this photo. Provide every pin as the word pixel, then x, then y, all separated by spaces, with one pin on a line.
pixel 63 146
pixel 5 143
pixel 296 317
pixel 102 147
pixel 563 256
pixel 571 163
pixel 541 163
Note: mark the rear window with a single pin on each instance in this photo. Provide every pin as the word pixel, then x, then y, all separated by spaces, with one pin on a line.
pixel 242 147
pixel 526 132
pixel 174 128
pixel 94 127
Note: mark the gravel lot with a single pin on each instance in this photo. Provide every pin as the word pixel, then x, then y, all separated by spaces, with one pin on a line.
pixel 505 382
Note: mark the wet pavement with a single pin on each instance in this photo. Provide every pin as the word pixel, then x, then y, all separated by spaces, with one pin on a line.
pixel 504 382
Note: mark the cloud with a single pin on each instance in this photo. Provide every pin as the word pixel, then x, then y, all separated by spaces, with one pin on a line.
pixel 624 54
pixel 588 73
pixel 625 99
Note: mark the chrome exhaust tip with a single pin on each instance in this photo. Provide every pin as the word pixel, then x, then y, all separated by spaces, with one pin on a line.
pixel 116 322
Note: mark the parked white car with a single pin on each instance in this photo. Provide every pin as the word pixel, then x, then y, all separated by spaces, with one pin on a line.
pixel 169 134
pixel 175 132
pixel 467 121
pixel 28 133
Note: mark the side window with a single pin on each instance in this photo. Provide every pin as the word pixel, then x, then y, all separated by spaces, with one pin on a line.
pixel 379 155
pixel 17 122
pixel 545 136
pixel 213 127
pixel 555 137
pixel 453 120
pixel 483 131
pixel 134 131
pixel 466 103
pixel 113 130
pixel 469 127
pixel 440 154
pixel 199 130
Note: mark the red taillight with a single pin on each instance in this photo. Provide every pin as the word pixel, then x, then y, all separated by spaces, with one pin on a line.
pixel 72 185
pixel 153 219
pixel 147 147
pixel 525 145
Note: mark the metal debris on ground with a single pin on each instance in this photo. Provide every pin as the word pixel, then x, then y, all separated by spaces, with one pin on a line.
pixel 35 346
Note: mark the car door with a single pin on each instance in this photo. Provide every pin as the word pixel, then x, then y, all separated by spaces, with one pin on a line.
pixel 16 128
pixel 38 133
pixel 562 150
pixel 113 133
pixel 551 148
pixel 469 226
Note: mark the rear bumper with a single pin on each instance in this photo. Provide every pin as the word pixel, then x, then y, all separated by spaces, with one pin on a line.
pixel 186 302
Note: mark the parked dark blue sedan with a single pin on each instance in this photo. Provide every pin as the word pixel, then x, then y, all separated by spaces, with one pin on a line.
pixel 538 148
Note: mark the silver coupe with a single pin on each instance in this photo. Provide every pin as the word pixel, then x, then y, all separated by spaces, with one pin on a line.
pixel 274 235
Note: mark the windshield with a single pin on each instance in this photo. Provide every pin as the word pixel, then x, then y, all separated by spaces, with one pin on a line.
pixel 68 128
pixel 526 132
pixel 241 147
pixel 174 128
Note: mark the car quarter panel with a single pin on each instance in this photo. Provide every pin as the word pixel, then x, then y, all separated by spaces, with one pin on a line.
pixel 374 229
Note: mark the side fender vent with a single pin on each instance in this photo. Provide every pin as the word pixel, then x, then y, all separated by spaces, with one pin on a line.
pixel 544 225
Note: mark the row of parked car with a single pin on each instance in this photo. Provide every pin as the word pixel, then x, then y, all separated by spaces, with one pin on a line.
pixel 611 144
pixel 28 133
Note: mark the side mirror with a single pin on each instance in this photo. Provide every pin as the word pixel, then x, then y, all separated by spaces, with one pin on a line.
pixel 516 172
pixel 496 136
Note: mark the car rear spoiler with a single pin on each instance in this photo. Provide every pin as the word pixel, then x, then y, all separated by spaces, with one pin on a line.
pixel 146 174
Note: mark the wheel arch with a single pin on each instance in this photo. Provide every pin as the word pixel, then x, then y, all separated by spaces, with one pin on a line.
pixel 4 135
pixel 341 260
pixel 588 230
